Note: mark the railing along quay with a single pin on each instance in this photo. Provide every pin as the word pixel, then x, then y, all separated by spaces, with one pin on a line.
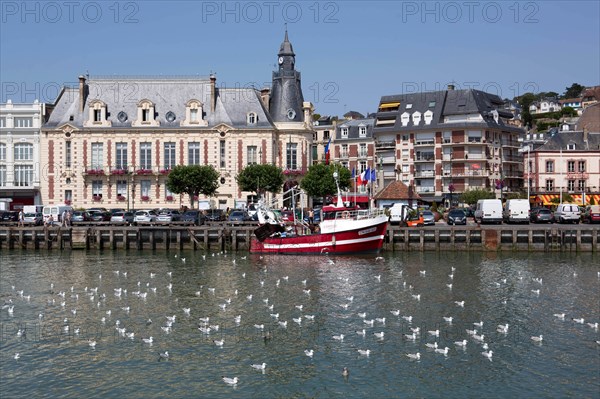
pixel 223 236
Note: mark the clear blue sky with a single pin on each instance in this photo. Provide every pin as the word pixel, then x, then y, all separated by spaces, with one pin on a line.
pixel 350 53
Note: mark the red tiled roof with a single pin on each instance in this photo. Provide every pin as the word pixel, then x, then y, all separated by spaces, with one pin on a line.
pixel 396 191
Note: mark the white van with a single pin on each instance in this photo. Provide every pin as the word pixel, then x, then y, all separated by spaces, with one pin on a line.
pixel 567 213
pixel 56 212
pixel 489 211
pixel 516 211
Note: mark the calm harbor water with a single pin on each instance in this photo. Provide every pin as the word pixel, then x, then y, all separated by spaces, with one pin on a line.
pixel 51 327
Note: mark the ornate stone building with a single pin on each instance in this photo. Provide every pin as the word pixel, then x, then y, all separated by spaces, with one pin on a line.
pixel 112 141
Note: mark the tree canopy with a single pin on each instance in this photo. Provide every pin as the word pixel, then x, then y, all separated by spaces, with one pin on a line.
pixel 260 178
pixel 574 91
pixel 472 196
pixel 319 181
pixel 193 180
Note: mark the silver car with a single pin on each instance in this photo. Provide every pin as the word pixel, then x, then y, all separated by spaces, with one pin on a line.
pixel 122 218
pixel 145 216
pixel 428 218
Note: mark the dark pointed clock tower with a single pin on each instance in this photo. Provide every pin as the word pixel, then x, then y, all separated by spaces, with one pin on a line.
pixel 286 98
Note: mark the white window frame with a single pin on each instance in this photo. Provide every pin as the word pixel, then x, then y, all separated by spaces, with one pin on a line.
pixel 97 156
pixel 252 155
pixel 194 153
pixel 23 152
pixel 146 155
pixel 97 188
pixel 344 132
pixel 121 156
pixel 169 155
pixel 362 131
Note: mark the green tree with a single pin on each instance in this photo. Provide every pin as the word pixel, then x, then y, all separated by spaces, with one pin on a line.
pixel 568 111
pixel 525 101
pixel 472 196
pixel 319 181
pixel 574 91
pixel 193 180
pixel 260 178
pixel 316 117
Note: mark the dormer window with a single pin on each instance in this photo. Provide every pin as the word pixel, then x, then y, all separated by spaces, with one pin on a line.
pixel 251 118
pixel 362 131
pixel 428 117
pixel 571 146
pixel 431 104
pixel 404 118
pixel 344 132
pixel 97 115
pixel 408 106
pixel 194 114
pixel 416 118
pixel 145 114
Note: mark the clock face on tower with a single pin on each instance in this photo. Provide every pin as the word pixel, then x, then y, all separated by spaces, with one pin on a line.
pixel 280 60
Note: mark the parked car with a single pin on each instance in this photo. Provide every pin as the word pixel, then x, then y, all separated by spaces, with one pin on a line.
pixel 215 215
pixel 567 213
pixel 238 216
pixel 457 216
pixel 10 216
pixel 168 216
pixel 591 214
pixel 99 216
pixel 541 215
pixel 428 218
pixel 80 216
pixel 488 211
pixel 144 216
pixel 516 210
pixel 194 216
pixel 122 217
pixel 37 218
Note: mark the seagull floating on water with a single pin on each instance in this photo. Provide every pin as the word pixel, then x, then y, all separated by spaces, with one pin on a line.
pixel 261 367
pixel 461 344
pixel 488 354
pixel 230 381
pixel 309 353
pixel 364 352
pixel 539 338
pixel 163 356
pixel 443 351
pixel 414 356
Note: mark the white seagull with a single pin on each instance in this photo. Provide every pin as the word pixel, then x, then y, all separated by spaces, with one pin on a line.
pixel 364 352
pixel 261 367
pixel 414 356
pixel 230 381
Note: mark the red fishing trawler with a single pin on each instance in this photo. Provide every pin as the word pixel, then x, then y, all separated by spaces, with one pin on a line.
pixel 342 230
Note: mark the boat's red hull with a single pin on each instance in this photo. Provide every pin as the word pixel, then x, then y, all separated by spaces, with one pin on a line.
pixel 363 240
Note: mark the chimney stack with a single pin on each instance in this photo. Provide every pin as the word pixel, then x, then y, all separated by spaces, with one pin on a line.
pixel 265 96
pixel 82 93
pixel 213 90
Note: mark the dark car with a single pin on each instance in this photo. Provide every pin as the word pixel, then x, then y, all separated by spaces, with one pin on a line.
pixel 215 215
pixel 457 216
pixel 470 212
pixel 238 216
pixel 194 217
pixel 99 216
pixel 10 216
pixel 541 215
pixel 80 216
pixel 428 218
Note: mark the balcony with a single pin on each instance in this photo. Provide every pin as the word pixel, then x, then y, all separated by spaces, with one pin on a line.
pixel 363 154
pixel 385 144
pixel 344 154
pixel 512 158
pixel 425 158
pixel 387 160
pixel 510 143
pixel 424 143
pixel 467 173
pixel 424 173
pixel 577 176
pixel 425 189
pixel 94 171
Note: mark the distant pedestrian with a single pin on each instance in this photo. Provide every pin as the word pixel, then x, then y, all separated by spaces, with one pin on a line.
pixel 21 218
pixel 63 218
pixel 69 216
pixel 311 216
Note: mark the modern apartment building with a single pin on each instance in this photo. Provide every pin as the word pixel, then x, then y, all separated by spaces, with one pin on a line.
pixel 445 142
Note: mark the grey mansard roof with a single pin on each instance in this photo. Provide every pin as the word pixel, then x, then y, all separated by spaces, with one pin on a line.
pixel 562 139
pixel 353 126
pixel 446 103
pixel 124 94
